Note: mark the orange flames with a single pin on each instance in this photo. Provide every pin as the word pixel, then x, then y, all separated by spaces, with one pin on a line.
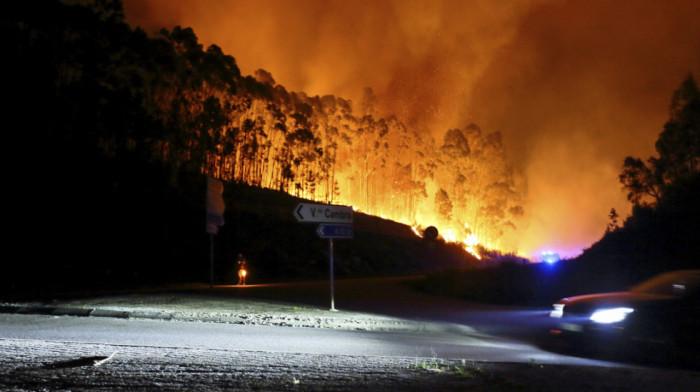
pixel 469 240
pixel 469 243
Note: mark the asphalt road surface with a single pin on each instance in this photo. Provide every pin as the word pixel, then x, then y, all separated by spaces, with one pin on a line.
pixel 156 333
pixel 479 347
pixel 73 353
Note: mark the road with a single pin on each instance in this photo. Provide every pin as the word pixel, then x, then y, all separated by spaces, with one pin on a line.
pixel 481 347
pixel 156 333
pixel 64 352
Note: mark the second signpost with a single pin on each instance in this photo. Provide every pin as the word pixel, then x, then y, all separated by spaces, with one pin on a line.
pixel 334 222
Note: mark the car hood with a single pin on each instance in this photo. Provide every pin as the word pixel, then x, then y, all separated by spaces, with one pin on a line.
pixel 585 304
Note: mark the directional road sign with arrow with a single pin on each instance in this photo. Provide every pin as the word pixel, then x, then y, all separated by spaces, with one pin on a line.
pixel 323 213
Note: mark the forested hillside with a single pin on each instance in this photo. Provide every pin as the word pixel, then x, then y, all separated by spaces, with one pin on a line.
pixel 167 99
pixel 117 130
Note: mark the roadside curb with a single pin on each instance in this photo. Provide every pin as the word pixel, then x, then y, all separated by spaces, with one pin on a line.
pixel 63 311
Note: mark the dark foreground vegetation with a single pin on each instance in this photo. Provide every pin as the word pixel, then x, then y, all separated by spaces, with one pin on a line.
pixel 130 226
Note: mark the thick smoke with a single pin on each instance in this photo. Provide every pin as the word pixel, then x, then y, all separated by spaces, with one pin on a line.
pixel 574 86
pixel 420 57
pixel 581 86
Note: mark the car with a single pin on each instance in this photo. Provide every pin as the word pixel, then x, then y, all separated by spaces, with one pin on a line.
pixel 661 313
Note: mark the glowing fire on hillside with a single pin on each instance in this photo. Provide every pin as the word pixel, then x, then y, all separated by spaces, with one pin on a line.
pixel 381 168
pixel 332 149
pixel 469 242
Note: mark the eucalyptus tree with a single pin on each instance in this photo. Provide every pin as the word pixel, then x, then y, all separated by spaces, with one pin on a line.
pixel 196 99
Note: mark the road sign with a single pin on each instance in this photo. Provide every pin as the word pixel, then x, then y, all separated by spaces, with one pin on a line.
pixel 322 213
pixel 334 231
pixel 326 214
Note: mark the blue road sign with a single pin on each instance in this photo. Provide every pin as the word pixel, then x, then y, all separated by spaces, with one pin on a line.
pixel 334 231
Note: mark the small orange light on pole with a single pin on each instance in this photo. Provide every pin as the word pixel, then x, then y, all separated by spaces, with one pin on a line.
pixel 241 276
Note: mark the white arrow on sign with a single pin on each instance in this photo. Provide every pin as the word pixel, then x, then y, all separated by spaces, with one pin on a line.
pixel 322 213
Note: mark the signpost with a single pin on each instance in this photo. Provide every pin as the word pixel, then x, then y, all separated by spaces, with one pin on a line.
pixel 335 222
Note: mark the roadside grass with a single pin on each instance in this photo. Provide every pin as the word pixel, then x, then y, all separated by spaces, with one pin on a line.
pixel 436 365
pixel 472 371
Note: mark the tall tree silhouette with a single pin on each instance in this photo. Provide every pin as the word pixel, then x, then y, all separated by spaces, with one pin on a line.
pixel 678 149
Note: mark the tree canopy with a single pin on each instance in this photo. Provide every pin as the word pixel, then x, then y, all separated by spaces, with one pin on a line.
pixel 678 149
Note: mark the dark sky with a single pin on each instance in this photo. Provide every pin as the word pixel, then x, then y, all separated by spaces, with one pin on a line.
pixel 574 86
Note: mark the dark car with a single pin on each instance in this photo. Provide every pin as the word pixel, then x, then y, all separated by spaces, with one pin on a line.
pixel 662 312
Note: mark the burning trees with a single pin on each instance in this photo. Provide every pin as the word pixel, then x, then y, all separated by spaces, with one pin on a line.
pixel 191 109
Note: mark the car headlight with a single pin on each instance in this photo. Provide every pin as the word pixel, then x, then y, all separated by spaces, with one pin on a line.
pixel 608 316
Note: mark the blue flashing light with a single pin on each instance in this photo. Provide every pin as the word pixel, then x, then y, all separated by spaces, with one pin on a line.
pixel 550 257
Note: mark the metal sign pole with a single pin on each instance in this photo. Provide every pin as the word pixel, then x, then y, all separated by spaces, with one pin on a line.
pixel 330 242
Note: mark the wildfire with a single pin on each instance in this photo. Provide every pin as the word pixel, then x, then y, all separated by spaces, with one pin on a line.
pixel 391 166
pixel 416 231
pixel 469 243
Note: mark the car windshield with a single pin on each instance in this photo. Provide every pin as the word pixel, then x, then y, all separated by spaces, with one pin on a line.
pixel 677 284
